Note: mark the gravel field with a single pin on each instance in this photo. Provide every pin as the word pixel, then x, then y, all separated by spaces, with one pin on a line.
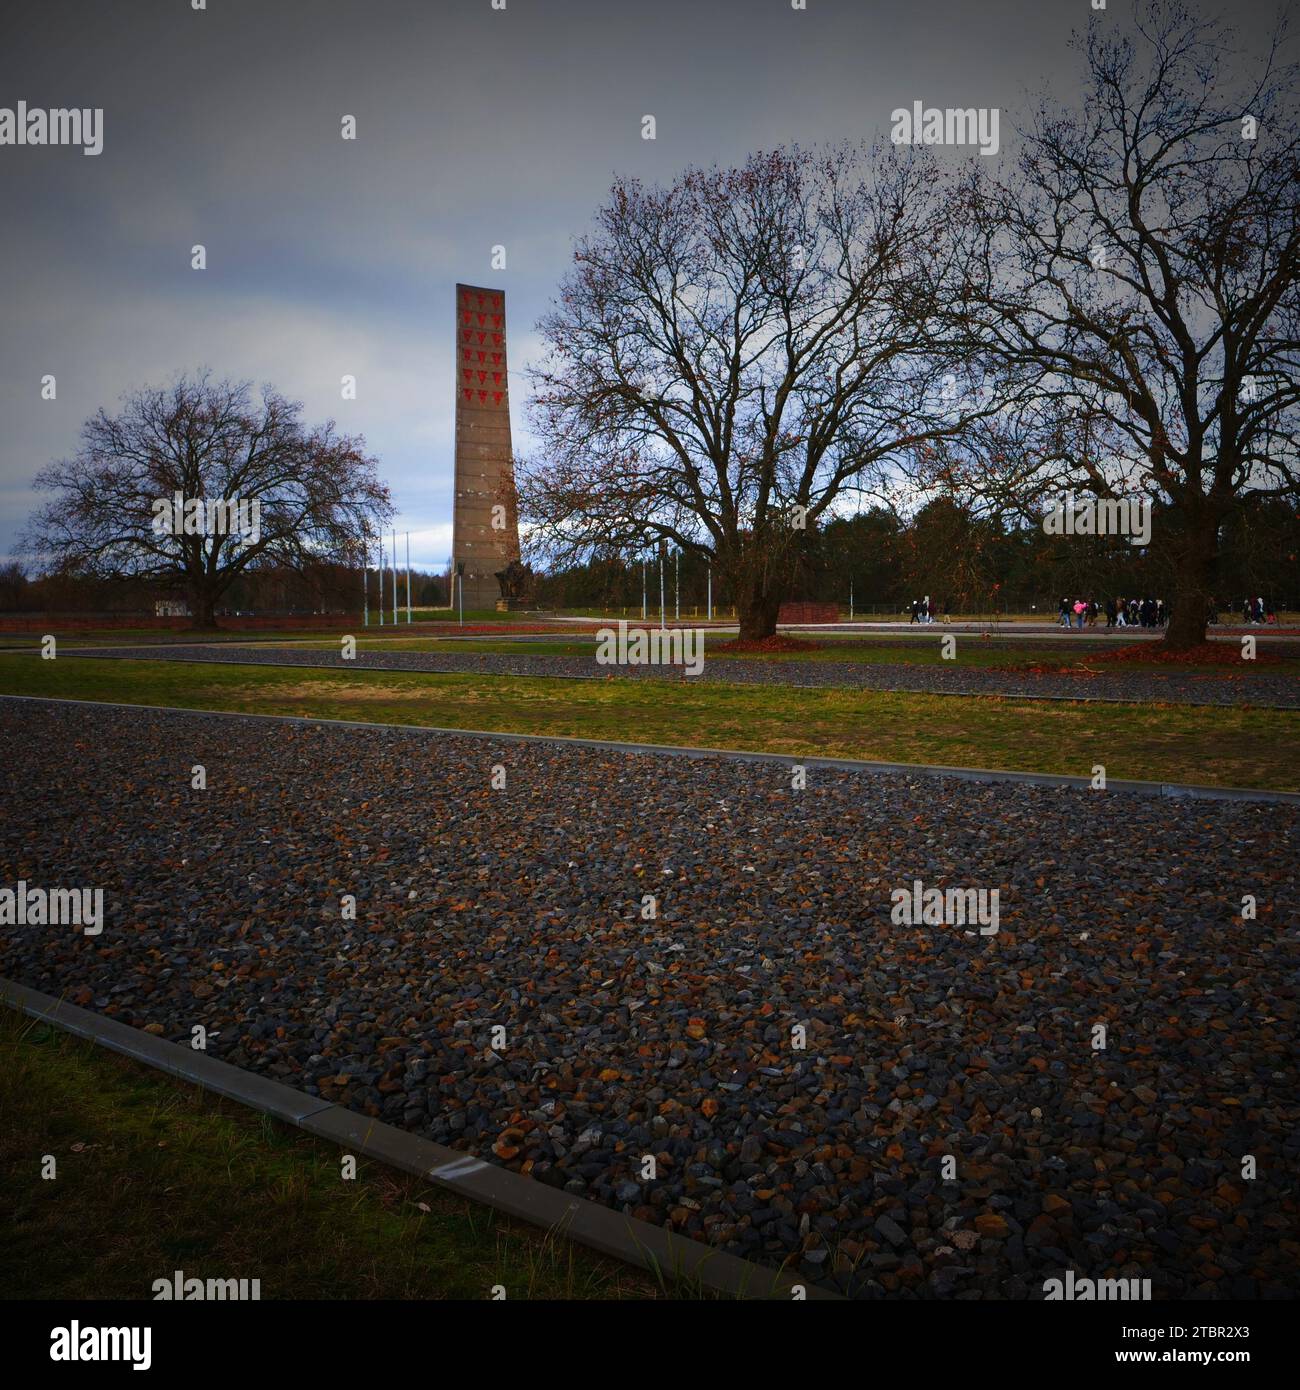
pixel 1260 689
pixel 673 1036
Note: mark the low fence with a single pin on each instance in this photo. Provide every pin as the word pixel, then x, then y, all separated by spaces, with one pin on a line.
pixel 93 622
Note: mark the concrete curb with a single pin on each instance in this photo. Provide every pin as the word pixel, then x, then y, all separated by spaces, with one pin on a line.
pixel 360 665
pixel 653 1248
pixel 1179 790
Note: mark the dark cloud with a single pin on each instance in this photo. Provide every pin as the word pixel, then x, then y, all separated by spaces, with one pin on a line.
pixel 476 127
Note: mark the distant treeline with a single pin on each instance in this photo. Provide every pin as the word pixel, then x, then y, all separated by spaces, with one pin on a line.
pixel 315 589
pixel 969 564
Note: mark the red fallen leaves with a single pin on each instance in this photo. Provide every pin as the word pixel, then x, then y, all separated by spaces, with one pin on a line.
pixel 776 643
pixel 1203 654
pixel 436 629
pixel 1217 654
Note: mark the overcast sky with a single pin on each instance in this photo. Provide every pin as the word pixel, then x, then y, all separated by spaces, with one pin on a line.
pixel 475 127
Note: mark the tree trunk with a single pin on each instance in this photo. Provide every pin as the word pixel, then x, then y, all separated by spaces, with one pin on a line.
pixel 757 605
pixel 203 609
pixel 1194 584
pixel 1186 624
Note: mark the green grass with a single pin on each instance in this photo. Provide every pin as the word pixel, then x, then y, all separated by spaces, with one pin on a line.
pixel 154 1175
pixel 1224 746
pixel 872 649
pixel 449 615
pixel 1016 654
pixel 535 645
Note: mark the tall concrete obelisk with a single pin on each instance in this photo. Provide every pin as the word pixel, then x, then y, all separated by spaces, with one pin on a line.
pixel 484 458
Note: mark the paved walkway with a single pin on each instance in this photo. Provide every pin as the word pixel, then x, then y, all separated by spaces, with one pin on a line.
pixel 1259 688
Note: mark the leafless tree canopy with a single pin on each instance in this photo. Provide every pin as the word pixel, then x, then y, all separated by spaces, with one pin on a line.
pixel 317 490
pixel 731 351
pixel 1141 267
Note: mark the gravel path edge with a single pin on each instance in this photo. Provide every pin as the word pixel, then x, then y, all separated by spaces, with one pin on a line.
pixel 638 1243
pixel 740 674
pixel 1189 790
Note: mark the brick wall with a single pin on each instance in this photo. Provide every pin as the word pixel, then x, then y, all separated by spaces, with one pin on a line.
pixel 809 613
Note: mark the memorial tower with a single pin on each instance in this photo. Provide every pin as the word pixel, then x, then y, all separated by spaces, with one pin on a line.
pixel 485 527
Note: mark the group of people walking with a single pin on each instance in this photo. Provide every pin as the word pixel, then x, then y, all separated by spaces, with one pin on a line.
pixel 1150 612
pixel 1255 610
pixel 1118 612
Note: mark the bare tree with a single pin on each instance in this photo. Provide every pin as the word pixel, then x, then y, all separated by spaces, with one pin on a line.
pixel 729 352
pixel 1142 266
pixel 114 513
